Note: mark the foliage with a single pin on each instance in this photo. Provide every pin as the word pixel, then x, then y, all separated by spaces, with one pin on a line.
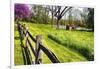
pixel 22 11
pixel 46 15
pixel 90 20
pixel 40 14
pixel 88 17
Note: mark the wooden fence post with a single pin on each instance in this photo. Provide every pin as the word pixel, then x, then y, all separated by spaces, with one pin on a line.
pixel 26 40
pixel 38 58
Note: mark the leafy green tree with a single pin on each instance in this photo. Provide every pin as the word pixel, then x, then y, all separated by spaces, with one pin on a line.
pixel 40 14
pixel 87 17
pixel 90 20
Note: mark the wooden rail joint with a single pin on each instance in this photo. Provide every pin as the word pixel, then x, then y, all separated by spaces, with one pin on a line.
pixel 39 47
pixel 38 50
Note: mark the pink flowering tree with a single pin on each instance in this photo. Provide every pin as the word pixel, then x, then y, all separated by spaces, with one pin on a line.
pixel 21 11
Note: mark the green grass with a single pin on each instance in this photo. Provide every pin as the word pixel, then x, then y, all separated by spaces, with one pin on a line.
pixel 18 58
pixel 63 53
pixel 83 46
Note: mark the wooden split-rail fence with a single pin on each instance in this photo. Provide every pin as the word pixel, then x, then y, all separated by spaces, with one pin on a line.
pixel 39 47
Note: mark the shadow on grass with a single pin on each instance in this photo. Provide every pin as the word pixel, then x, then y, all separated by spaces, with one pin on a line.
pixel 16 38
pixel 25 52
pixel 26 55
pixel 85 51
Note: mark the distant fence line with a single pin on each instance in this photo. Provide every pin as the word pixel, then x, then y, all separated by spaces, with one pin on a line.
pixel 24 33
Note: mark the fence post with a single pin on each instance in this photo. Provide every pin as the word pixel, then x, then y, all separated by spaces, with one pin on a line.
pixel 38 58
pixel 26 40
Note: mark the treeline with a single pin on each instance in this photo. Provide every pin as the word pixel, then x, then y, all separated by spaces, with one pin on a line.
pixel 55 15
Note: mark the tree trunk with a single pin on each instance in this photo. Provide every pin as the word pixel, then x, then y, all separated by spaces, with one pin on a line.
pixel 52 19
pixel 57 23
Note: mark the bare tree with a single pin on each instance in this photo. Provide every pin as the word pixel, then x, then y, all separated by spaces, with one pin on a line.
pixel 59 13
pixel 52 11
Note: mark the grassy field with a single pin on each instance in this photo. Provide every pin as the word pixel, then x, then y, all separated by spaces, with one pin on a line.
pixel 76 40
pixel 57 41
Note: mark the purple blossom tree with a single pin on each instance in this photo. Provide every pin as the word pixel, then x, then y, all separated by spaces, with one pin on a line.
pixel 22 11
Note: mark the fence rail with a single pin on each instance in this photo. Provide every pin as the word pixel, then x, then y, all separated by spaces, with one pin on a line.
pixel 24 33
